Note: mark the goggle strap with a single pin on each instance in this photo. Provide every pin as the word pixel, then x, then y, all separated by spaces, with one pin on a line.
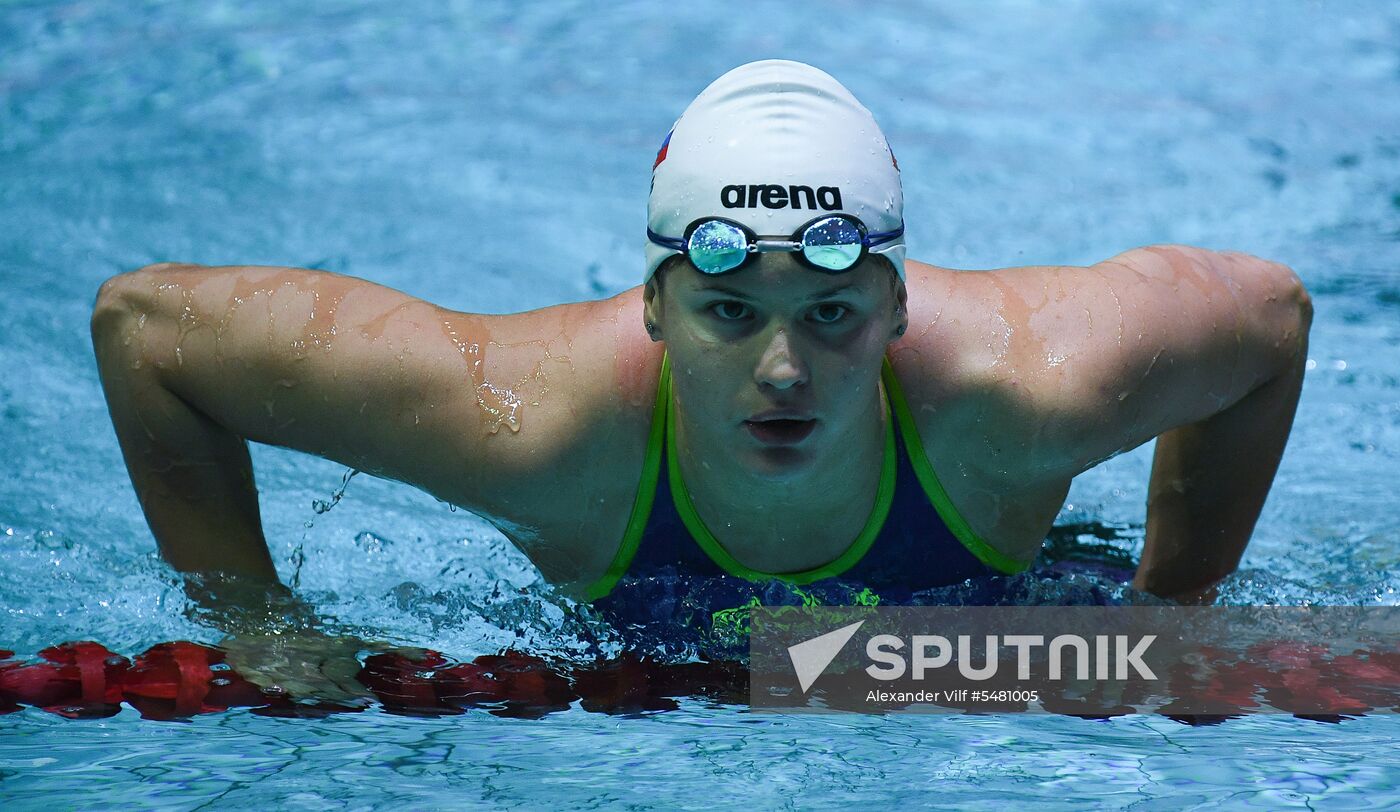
pixel 669 242
pixel 884 236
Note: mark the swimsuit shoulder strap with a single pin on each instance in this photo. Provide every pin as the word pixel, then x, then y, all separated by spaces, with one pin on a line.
pixel 933 489
pixel 646 489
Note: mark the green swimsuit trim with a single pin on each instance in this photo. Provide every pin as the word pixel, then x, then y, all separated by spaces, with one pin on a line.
pixel 646 491
pixel 663 411
pixel 933 489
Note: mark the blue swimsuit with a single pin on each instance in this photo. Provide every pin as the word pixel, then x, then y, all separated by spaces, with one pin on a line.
pixel 913 540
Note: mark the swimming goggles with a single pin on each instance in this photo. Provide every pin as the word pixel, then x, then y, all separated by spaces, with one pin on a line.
pixel 832 243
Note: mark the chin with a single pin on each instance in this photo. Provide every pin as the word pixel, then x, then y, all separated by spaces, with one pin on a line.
pixel 776 464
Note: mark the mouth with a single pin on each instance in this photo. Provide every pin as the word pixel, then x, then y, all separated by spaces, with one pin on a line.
pixel 780 431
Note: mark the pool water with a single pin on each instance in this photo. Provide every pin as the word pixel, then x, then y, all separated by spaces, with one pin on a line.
pixel 494 157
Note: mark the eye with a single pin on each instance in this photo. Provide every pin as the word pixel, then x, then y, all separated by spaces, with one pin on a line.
pixel 829 313
pixel 729 310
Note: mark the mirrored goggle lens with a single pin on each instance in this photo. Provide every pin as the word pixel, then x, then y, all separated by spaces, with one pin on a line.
pixel 833 243
pixel 717 247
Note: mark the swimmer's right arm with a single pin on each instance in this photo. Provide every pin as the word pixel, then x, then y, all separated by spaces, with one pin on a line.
pixel 193 476
pixel 195 361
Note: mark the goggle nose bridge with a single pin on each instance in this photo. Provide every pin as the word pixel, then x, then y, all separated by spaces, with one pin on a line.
pixel 766 246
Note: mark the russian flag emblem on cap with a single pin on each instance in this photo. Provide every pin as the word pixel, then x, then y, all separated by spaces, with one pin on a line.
pixel 661 153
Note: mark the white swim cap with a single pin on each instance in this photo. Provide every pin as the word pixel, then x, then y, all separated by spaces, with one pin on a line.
pixel 774 144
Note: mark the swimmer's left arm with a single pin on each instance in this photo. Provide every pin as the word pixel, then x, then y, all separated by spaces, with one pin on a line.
pixel 1210 477
pixel 1208 485
pixel 1204 351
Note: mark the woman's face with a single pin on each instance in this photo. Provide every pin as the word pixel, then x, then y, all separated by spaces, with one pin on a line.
pixel 777 364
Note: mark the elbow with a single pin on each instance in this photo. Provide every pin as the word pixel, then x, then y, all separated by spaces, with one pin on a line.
pixel 1305 307
pixel 1290 309
pixel 1293 291
pixel 121 299
pixel 1302 306
pixel 112 307
pixel 112 316
pixel 126 295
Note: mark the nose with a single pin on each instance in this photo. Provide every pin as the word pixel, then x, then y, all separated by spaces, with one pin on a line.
pixel 780 366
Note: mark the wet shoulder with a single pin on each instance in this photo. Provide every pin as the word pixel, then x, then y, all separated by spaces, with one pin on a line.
pixel 575 374
pixel 970 356
pixel 571 516
pixel 949 368
pixel 942 360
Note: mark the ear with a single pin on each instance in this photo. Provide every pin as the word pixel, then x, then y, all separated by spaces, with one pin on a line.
pixel 901 308
pixel 651 308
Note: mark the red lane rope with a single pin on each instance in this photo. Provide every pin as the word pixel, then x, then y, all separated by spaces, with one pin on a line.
pixel 182 679
pixel 179 680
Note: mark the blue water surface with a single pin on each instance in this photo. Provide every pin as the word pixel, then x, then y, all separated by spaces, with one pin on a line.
pixel 494 156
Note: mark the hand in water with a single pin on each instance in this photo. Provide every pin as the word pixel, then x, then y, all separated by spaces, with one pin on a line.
pixel 274 640
pixel 304 663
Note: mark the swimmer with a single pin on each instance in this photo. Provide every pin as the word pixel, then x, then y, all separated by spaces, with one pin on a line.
pixel 784 397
